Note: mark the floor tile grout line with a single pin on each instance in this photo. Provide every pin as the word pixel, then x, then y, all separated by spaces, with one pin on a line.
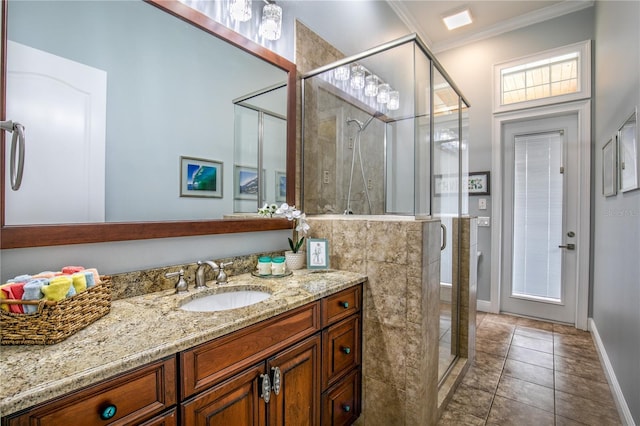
pixel 495 391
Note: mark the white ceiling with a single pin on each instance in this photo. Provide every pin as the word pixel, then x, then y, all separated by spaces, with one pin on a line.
pixel 490 18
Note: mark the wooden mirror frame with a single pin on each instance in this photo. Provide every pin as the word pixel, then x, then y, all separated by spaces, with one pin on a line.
pixel 12 237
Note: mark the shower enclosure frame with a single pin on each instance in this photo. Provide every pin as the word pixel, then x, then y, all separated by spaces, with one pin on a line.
pixel 462 104
pixel 434 64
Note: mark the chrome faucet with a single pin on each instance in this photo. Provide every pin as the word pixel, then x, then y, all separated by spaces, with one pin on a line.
pixel 200 281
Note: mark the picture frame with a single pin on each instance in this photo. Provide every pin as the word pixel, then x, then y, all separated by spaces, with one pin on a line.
pixel 200 177
pixel 245 183
pixel 629 154
pixel 281 186
pixel 609 168
pixel 317 253
pixel 478 183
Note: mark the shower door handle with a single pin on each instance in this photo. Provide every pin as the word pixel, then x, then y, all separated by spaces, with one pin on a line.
pixel 444 237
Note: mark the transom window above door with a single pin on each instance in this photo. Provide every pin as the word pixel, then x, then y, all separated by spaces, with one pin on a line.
pixel 549 77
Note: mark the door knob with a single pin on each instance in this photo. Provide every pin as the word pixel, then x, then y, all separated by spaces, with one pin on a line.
pixel 568 246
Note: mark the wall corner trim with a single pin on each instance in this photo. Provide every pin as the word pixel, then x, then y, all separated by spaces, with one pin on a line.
pixel 621 403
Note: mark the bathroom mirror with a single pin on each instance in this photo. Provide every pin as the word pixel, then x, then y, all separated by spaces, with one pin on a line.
pixel 206 133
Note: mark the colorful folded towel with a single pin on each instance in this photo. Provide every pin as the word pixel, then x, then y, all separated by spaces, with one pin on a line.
pixel 33 291
pixel 79 281
pixel 13 291
pixel 96 277
pixel 20 279
pixel 58 288
pixel 68 270
pixel 47 274
pixel 89 278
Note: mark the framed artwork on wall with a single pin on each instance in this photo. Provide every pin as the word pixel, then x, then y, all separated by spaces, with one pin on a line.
pixel 200 177
pixel 629 154
pixel 477 183
pixel 609 168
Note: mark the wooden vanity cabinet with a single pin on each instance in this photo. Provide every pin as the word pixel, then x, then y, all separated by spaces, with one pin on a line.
pixel 306 362
pixel 131 398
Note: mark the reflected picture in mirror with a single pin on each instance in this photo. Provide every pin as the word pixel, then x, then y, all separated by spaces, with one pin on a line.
pixel 200 178
pixel 281 186
pixel 246 183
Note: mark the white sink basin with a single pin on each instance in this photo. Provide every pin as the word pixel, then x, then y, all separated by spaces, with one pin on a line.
pixel 225 301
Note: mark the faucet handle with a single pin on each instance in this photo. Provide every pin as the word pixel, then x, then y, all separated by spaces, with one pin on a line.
pixel 181 285
pixel 222 275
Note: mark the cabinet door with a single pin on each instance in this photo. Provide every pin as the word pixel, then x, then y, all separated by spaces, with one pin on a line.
pixel 234 402
pixel 297 402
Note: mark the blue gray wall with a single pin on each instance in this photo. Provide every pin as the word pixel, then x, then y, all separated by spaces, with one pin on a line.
pixel 616 219
pixel 471 67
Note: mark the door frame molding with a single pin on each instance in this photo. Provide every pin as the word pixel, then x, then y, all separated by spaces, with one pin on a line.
pixel 583 242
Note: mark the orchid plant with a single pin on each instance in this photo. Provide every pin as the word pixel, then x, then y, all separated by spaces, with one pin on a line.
pixel 299 219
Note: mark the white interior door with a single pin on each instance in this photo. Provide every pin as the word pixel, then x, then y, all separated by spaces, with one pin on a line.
pixel 62 105
pixel 540 218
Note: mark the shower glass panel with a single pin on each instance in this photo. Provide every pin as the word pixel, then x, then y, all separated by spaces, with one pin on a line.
pixel 260 138
pixel 384 132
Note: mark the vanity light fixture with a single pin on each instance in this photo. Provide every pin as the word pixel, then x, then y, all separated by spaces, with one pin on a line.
pixel 271 26
pixel 383 93
pixel 394 100
pixel 357 77
pixel 457 19
pixel 371 85
pixel 342 73
pixel 240 10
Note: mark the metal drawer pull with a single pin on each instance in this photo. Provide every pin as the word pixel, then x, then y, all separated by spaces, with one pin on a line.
pixel 344 305
pixel 266 388
pixel 346 408
pixel 346 350
pixel 276 380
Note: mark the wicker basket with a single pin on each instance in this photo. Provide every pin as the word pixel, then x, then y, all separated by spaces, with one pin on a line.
pixel 55 321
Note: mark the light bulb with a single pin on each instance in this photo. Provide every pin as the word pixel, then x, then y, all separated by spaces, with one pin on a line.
pixel 240 10
pixel 357 77
pixel 394 100
pixel 271 27
pixel 383 93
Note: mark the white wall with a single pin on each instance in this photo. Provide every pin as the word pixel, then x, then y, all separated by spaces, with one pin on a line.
pixel 471 67
pixel 616 219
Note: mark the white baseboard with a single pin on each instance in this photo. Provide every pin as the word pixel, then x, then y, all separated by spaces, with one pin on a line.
pixel 483 306
pixel 623 408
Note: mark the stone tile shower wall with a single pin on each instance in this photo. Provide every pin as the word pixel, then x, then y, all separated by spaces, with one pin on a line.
pixel 401 257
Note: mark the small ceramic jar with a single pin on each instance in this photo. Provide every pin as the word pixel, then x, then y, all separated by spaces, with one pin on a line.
pixel 264 265
pixel 277 265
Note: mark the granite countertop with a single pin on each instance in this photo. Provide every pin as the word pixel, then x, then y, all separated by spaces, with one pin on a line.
pixel 146 328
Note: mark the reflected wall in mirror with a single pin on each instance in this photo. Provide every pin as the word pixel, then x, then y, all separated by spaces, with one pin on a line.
pixel 163 87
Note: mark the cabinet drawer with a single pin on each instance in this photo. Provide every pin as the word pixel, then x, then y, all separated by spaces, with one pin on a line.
pixel 214 361
pixel 341 403
pixel 135 396
pixel 341 349
pixel 169 418
pixel 341 305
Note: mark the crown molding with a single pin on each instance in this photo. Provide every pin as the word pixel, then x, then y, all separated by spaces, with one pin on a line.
pixel 408 19
pixel 541 15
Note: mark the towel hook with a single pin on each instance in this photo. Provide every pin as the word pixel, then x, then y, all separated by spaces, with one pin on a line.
pixel 17 141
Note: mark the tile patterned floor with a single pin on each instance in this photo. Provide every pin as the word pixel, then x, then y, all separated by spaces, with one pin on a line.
pixel 529 372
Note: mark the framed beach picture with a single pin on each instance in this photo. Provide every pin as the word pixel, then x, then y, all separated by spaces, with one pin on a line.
pixel 317 253
pixel 200 178
pixel 281 186
pixel 609 168
pixel 629 154
pixel 245 183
